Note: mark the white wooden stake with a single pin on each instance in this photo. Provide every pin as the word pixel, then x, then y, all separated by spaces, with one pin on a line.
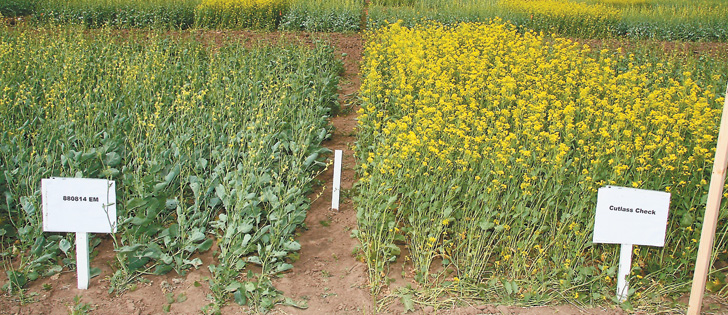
pixel 707 236
pixel 83 272
pixel 337 180
pixel 625 266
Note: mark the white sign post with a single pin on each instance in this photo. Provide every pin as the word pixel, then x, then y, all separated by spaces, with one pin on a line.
pixel 79 205
pixel 337 180
pixel 630 216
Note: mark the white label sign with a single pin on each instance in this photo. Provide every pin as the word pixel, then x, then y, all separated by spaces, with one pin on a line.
pixel 79 205
pixel 631 216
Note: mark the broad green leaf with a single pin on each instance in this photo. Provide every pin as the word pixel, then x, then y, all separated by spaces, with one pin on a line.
pixel 27 205
pixel 254 260
pixel 310 159
pixel 17 278
pixel 233 286
pixel 32 276
pixel 202 163
pixel 94 271
pixel 204 246
pixel 167 259
pixel 160 186
pixel 112 159
pixel 507 286
pixel 292 246
pixel 197 236
pixel 486 224
pixel 171 204
pixel 170 297
pixel 139 221
pixel 245 227
pixel 135 203
pixel 52 270
pixel 409 305
pixel 129 248
pixel 239 297
pixel 152 252
pixel 172 173
pixel 64 245
pixel 196 263
pixel 283 267
pixel 163 269
pixel 246 240
pixel 110 172
pixel 38 245
pixel 43 258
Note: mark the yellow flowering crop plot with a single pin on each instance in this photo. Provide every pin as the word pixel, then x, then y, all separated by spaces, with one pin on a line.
pixel 481 150
pixel 625 2
pixel 265 14
pixel 562 8
pixel 566 17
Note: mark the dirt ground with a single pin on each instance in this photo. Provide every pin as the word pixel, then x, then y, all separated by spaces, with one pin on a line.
pixel 327 275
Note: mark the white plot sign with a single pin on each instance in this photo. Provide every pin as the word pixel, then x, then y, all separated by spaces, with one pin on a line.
pixel 80 205
pixel 630 216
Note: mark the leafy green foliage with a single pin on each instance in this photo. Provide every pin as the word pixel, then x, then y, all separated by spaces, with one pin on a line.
pixel 206 144
pixel 119 13
pixel 15 8
pixel 323 15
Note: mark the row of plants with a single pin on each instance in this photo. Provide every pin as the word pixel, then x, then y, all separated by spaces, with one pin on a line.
pixel 675 20
pixel 15 8
pixel 177 14
pixel 639 19
pixel 317 15
pixel 208 144
pixel 480 151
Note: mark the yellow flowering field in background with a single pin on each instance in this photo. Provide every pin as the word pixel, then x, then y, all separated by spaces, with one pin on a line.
pixel 265 14
pixel 564 17
pixel 625 2
pixel 481 150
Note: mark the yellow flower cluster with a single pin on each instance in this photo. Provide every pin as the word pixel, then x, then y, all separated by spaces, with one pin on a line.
pixel 565 17
pixel 506 136
pixel 489 93
pixel 241 13
pixel 562 8
pixel 625 2
pixel 240 4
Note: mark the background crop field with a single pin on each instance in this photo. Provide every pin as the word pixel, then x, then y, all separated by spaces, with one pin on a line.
pixel 317 15
pixel 641 19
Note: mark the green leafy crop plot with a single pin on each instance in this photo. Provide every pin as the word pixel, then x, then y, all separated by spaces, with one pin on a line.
pixel 14 8
pixel 323 15
pixel 174 14
pixel 207 144
pixel 310 15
